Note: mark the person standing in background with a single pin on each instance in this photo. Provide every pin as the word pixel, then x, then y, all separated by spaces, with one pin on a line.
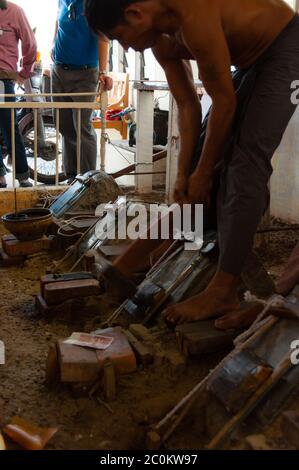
pixel 80 63
pixel 14 27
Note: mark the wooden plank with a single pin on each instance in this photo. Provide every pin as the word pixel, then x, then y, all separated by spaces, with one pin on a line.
pixel 203 338
pixel 59 292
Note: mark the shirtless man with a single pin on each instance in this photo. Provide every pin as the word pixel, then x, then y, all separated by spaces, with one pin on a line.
pixel 249 114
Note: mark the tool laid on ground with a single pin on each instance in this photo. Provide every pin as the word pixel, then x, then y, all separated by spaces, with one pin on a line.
pixel 86 193
pixel 259 364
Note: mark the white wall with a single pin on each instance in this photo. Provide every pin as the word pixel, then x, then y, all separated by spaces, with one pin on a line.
pixel 42 15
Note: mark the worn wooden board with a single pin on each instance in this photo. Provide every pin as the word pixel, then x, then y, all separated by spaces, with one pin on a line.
pixel 203 338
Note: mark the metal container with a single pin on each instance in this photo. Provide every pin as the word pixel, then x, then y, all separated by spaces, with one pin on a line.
pixel 28 224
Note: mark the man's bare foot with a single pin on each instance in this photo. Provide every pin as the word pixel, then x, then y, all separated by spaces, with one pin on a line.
pixel 240 318
pixel 219 298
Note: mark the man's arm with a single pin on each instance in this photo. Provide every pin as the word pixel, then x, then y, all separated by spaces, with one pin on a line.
pixel 209 47
pixel 29 47
pixel 180 79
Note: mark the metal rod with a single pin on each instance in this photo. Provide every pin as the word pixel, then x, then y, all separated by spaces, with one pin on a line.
pixel 35 145
pixel 57 146
pixel 53 105
pixel 104 106
pixel 13 147
pixel 46 95
pixel 79 141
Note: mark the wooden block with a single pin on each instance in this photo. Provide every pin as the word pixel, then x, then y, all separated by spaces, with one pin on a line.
pixel 140 332
pixel 290 427
pixel 8 261
pixel 203 338
pixel 153 441
pixel 14 247
pixel 7 238
pixel 41 306
pixel 54 278
pixel 50 310
pixel 144 355
pixel 258 442
pixel 176 361
pixel 109 380
pixel 52 365
pixel 77 364
pixel 120 352
pixel 59 292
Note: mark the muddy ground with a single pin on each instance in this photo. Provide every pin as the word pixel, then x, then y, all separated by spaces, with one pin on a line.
pixel 143 398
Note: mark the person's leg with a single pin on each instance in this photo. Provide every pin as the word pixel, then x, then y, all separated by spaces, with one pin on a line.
pixel 2 166
pixel 60 79
pixel 3 141
pixel 22 171
pixel 87 82
pixel 243 196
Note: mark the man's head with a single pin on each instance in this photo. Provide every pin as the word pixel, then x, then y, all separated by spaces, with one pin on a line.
pixel 131 22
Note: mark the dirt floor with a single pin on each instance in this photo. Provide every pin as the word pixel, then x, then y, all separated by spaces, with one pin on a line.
pixel 143 398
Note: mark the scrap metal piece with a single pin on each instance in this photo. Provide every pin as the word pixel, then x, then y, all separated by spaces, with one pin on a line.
pixel 28 435
pixel 240 377
pixel 2 443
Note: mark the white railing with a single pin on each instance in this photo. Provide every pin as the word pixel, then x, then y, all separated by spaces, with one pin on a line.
pixel 101 102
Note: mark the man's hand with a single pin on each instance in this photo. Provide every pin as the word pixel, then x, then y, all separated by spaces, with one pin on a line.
pixel 199 188
pixel 106 81
pixel 20 81
pixel 181 189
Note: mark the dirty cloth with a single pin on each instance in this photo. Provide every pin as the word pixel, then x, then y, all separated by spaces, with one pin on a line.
pixel 264 109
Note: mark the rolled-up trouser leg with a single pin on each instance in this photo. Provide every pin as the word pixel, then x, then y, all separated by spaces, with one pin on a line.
pixel 243 195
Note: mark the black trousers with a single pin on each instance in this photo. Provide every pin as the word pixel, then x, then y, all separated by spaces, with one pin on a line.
pixel 264 109
pixel 22 171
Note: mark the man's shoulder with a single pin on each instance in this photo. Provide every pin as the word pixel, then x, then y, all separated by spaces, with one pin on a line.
pixel 14 8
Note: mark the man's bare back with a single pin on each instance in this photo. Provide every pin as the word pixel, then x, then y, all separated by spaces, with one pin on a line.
pixel 249 26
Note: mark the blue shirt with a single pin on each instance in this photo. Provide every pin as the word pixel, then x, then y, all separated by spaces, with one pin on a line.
pixel 75 43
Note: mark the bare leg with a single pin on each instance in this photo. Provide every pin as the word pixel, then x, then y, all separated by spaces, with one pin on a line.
pixel 219 298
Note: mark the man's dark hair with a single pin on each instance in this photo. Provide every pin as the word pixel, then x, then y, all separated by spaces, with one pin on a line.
pixel 104 15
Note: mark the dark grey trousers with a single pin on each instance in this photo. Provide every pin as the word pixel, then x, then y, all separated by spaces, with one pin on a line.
pixel 264 109
pixel 76 81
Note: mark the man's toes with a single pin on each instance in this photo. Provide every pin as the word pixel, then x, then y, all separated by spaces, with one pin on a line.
pixel 171 315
